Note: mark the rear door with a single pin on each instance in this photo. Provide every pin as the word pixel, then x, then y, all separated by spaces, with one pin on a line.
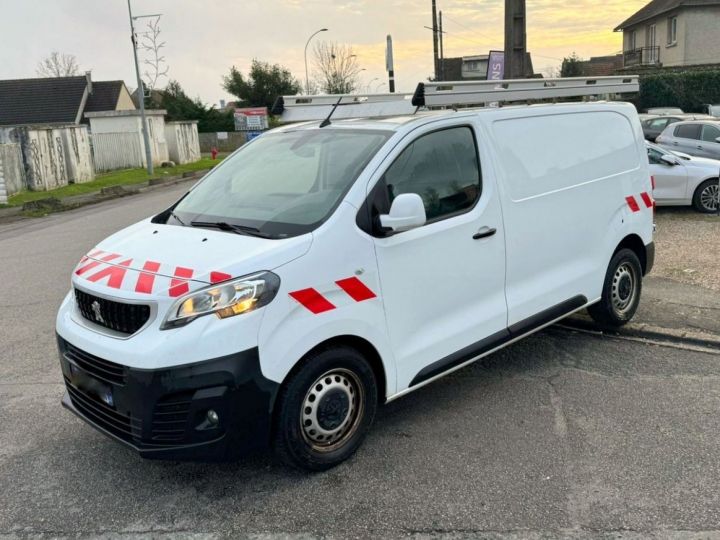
pixel 709 145
pixel 686 138
pixel 670 180
pixel 443 284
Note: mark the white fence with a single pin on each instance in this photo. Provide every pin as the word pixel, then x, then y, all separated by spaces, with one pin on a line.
pixel 113 151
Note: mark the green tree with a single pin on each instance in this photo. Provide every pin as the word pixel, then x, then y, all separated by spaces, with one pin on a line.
pixel 572 66
pixel 262 85
pixel 180 106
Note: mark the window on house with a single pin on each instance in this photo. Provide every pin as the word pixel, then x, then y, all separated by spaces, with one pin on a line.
pixel 633 40
pixel 672 30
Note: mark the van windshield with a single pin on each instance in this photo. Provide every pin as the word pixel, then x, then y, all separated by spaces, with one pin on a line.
pixel 282 184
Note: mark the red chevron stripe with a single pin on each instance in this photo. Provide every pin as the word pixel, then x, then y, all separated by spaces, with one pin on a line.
pixel 313 300
pixel 357 290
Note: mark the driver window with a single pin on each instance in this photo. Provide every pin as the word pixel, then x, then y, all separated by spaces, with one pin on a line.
pixel 443 168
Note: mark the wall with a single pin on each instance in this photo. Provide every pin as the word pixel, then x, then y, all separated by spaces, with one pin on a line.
pixel 182 142
pixel 52 156
pixel 701 35
pixel 12 164
pixel 3 192
pixel 235 139
pixel 113 151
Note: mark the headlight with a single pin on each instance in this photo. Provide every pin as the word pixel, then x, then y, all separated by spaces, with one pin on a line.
pixel 225 299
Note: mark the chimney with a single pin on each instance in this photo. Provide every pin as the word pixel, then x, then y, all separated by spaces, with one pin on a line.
pixel 88 79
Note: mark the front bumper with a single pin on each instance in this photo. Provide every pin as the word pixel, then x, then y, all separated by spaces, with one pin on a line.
pixel 162 414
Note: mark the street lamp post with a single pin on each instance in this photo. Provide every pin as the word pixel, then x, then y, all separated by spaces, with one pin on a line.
pixel 368 84
pixel 141 90
pixel 379 86
pixel 307 78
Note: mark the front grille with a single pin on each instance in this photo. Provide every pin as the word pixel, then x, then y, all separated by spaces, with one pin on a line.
pixel 117 316
pixel 170 418
pixel 97 367
pixel 101 414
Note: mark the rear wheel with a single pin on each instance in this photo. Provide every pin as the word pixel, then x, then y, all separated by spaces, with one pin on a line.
pixel 325 410
pixel 621 291
pixel 705 199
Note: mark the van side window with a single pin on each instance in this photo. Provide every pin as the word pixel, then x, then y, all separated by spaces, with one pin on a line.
pixel 443 168
pixel 688 131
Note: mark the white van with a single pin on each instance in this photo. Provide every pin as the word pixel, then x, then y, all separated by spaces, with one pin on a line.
pixel 319 272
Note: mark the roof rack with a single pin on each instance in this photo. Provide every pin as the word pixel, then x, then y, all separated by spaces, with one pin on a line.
pixel 304 108
pixel 448 94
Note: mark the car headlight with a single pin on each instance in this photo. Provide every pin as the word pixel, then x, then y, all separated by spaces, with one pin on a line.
pixel 225 299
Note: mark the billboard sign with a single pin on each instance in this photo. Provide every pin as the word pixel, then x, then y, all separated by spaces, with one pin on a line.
pixel 251 119
pixel 496 66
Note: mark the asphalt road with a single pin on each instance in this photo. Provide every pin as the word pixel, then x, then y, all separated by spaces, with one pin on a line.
pixel 564 434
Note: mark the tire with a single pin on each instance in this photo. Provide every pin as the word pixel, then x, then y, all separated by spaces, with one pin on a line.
pixel 325 409
pixel 704 195
pixel 621 291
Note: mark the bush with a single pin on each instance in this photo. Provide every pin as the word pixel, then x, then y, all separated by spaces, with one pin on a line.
pixel 689 90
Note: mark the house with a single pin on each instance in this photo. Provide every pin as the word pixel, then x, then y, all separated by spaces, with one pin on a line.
pixel 474 67
pixel 672 34
pixel 602 66
pixel 59 100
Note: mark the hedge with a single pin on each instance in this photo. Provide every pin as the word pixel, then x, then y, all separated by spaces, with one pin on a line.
pixel 689 90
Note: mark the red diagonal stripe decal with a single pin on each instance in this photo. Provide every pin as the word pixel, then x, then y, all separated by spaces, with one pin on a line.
pixel 218 277
pixel 312 300
pixel 632 203
pixel 90 266
pixel 145 279
pixel 115 273
pixel 646 199
pixel 357 290
pixel 179 283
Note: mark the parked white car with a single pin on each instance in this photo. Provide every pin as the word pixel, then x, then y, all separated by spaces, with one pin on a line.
pixel 329 267
pixel 699 138
pixel 684 180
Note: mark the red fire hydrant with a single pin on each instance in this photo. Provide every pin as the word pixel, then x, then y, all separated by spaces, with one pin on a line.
pixel 214 152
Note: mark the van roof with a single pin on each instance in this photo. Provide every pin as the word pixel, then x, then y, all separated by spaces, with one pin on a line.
pixel 394 123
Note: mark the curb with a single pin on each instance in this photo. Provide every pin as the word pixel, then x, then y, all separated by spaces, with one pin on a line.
pixel 51 205
pixel 644 331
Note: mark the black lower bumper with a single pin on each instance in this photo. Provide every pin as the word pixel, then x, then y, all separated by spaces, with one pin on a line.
pixel 650 257
pixel 163 414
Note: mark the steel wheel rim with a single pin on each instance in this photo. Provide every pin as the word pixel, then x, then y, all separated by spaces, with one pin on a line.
pixel 624 288
pixel 709 197
pixel 332 410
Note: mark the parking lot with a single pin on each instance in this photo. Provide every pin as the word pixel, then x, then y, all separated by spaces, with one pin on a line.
pixel 563 434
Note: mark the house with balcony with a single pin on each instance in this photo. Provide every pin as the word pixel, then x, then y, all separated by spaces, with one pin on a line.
pixel 672 34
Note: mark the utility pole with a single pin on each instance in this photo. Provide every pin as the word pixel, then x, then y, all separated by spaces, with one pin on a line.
pixel 515 39
pixel 435 39
pixel 141 90
pixel 442 54
pixel 389 64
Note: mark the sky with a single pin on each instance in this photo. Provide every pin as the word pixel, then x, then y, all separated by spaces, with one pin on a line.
pixel 204 38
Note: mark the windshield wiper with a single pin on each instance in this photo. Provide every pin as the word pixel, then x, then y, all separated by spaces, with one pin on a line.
pixel 225 226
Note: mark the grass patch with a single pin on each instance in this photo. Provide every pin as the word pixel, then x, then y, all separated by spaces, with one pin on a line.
pixel 116 178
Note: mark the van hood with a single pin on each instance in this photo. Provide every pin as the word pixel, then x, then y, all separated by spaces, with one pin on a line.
pixel 190 254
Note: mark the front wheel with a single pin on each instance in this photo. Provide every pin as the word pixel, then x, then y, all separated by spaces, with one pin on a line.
pixel 325 409
pixel 621 291
pixel 705 199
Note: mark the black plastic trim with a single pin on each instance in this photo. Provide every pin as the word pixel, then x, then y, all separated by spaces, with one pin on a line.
pixel 499 338
pixel 649 257
pixel 232 385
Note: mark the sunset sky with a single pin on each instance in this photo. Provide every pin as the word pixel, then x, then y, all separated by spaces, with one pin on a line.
pixel 205 37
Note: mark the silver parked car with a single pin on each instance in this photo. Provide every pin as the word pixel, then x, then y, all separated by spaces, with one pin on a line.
pixel 699 138
pixel 682 180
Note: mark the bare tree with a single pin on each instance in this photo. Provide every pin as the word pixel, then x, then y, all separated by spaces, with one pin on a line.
pixel 58 65
pixel 337 67
pixel 156 65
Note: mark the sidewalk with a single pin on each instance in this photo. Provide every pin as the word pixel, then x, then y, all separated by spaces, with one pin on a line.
pixel 670 310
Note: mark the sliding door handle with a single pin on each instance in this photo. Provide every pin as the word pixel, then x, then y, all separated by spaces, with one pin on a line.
pixel 484 232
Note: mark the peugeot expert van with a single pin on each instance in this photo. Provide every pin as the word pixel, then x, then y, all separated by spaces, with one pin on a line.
pixel 319 272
